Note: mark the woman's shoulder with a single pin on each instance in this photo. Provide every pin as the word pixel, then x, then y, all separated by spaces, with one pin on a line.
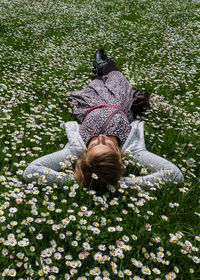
pixel 75 141
pixel 135 141
pixel 71 126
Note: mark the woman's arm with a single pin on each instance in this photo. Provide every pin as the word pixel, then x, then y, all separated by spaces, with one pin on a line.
pixel 162 171
pixel 48 169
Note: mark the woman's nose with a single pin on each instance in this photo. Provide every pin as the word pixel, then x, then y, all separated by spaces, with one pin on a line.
pixel 101 139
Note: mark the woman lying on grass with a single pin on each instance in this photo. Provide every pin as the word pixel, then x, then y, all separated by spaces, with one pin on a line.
pixel 102 137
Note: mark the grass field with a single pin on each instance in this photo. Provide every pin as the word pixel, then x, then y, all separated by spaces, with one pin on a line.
pixel 47 50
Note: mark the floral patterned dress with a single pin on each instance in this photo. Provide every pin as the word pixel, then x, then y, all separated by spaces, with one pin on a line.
pixel 111 89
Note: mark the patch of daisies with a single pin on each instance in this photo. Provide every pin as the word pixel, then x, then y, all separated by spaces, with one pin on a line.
pixel 48 232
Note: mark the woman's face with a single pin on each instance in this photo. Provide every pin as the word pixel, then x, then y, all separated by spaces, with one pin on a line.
pixel 102 144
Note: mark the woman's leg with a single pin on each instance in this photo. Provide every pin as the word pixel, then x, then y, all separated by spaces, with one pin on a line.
pixel 102 65
pixel 109 67
pixel 117 83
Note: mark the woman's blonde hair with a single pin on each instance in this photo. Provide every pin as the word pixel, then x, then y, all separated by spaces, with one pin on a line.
pixel 106 167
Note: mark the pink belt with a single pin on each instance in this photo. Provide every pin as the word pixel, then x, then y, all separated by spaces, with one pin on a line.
pixel 104 105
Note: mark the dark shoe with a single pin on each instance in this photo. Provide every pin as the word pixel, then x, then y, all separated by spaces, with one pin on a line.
pixel 100 61
pixel 100 56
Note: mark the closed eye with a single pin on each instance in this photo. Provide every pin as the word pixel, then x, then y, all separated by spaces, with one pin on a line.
pixel 109 145
pixel 91 146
